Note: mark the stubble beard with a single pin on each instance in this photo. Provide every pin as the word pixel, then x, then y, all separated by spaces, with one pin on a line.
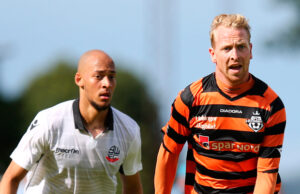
pixel 98 107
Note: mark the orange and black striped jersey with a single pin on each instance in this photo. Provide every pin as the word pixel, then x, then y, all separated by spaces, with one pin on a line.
pixel 230 139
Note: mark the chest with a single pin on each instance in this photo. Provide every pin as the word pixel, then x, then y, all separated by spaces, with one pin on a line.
pixel 78 149
pixel 227 126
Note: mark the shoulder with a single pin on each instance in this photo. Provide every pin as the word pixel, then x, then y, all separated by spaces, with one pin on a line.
pixel 268 96
pixel 263 89
pixel 124 122
pixel 195 89
pixel 56 114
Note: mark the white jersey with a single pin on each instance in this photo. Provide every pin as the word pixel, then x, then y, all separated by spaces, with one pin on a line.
pixel 63 157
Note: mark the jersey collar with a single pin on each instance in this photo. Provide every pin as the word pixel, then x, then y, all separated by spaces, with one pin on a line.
pixel 78 120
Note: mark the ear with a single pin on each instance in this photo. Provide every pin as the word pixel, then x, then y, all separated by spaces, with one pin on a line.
pixel 78 80
pixel 212 55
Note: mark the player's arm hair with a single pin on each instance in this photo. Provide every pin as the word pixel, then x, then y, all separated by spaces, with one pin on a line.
pixel 12 178
pixel 131 184
pixel 165 171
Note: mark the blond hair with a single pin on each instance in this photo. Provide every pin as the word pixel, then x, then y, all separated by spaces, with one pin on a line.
pixel 229 20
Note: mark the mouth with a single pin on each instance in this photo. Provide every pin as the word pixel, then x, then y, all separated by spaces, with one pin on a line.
pixel 105 95
pixel 235 67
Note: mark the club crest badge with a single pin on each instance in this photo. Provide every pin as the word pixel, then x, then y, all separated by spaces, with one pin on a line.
pixel 255 122
pixel 113 154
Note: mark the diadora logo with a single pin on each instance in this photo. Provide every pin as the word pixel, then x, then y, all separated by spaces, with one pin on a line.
pixel 113 154
pixel 61 151
pixel 255 122
pixel 234 111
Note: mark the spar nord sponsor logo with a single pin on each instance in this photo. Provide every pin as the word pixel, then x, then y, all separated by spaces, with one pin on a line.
pixel 234 111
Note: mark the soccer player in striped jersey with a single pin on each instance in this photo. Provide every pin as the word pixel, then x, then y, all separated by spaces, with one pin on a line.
pixel 233 122
pixel 79 146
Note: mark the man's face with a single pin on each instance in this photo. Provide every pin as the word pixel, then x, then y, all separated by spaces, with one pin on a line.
pixel 99 82
pixel 231 52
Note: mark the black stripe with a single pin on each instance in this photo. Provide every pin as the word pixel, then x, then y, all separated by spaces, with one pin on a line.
pixel 220 110
pixel 187 96
pixel 270 152
pixel 224 155
pixel 271 171
pixel 278 179
pixel 276 106
pixel 226 175
pixel 276 129
pixel 231 135
pixel 259 87
pixel 189 155
pixel 180 139
pixel 178 117
pixel 238 190
pixel 209 83
pixel 189 179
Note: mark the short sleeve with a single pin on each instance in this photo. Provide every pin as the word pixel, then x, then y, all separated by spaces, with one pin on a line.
pixel 132 163
pixel 33 143
pixel 177 128
pixel 270 151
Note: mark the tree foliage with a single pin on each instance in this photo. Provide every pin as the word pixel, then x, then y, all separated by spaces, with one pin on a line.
pixel 9 133
pixel 57 85
pixel 132 98
pixel 54 86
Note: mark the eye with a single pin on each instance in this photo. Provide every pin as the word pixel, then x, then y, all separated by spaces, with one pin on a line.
pixel 112 76
pixel 98 76
pixel 227 48
pixel 240 47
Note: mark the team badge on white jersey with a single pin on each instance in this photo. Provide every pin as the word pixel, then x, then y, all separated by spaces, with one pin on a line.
pixel 113 154
pixel 255 122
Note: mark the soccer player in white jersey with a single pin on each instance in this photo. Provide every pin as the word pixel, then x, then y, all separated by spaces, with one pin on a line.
pixel 78 146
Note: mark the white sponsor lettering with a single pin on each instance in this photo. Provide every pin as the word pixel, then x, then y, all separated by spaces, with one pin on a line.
pixel 205 126
pixel 205 118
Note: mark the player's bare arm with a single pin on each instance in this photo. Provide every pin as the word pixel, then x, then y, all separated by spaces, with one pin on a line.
pixel 11 178
pixel 131 184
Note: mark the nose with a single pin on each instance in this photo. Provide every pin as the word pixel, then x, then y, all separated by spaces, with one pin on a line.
pixel 234 54
pixel 106 82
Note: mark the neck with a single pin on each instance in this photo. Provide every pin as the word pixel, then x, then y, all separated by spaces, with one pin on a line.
pixel 94 120
pixel 234 90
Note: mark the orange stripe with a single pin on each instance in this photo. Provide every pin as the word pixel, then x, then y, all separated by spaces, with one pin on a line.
pixel 264 164
pixel 223 183
pixel 196 87
pixel 278 117
pixel 211 98
pixel 172 145
pixel 188 189
pixel 228 166
pixel 273 140
pixel 224 123
pixel 278 186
